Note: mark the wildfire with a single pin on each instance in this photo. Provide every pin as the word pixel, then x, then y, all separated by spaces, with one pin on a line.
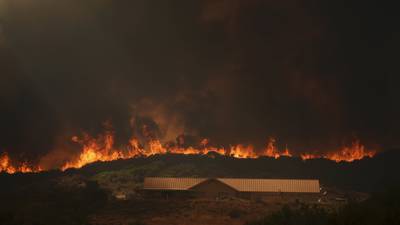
pixel 7 166
pixel 102 148
pixel 356 151
pixel 272 151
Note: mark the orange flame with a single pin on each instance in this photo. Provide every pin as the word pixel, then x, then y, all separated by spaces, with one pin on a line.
pixel 240 151
pixel 356 151
pixel 7 166
pixel 102 149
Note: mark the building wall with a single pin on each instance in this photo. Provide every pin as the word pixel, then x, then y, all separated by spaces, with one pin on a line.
pixel 215 190
pixel 167 194
pixel 251 189
pixel 280 197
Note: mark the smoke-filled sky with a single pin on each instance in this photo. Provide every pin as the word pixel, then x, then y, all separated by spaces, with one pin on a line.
pixel 313 74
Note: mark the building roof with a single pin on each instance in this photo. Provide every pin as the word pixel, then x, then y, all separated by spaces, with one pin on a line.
pixel 273 185
pixel 163 183
pixel 241 185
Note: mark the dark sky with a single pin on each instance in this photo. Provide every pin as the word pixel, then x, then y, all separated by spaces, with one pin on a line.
pixel 311 73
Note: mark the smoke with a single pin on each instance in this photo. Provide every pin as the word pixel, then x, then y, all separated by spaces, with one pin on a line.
pixel 164 118
pixel 311 74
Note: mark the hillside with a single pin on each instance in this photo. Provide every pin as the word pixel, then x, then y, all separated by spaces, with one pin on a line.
pixel 369 174
pixel 87 195
pixel 364 175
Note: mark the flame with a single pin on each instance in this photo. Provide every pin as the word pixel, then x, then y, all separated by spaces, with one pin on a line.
pixel 7 166
pixel 308 156
pixel 286 153
pixel 240 151
pixel 351 153
pixel 156 148
pixel 355 152
pixel 102 149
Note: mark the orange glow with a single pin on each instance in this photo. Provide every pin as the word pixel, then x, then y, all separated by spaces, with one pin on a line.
pixel 102 149
pixel 271 150
pixel 307 156
pixel 286 153
pixel 356 151
pixel 7 166
pixel 240 151
pixel 156 148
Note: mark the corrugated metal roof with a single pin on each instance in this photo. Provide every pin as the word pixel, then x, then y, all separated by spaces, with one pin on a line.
pixel 162 183
pixel 273 185
pixel 241 185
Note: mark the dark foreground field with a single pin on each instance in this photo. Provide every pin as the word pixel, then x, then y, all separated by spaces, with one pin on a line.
pixel 88 195
pixel 190 211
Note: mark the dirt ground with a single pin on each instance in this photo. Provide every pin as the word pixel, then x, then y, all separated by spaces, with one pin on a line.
pixel 183 212
pixel 228 211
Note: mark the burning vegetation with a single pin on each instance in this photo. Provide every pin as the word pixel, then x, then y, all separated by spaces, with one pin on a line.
pixel 7 166
pixel 103 148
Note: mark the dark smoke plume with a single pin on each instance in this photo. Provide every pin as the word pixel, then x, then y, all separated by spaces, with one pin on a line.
pixel 313 74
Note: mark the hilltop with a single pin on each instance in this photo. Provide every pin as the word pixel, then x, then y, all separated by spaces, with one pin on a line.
pixel 368 174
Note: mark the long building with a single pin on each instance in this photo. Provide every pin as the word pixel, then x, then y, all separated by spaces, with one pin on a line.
pixel 218 187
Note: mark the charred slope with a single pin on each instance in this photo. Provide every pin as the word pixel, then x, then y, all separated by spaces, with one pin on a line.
pixel 365 175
